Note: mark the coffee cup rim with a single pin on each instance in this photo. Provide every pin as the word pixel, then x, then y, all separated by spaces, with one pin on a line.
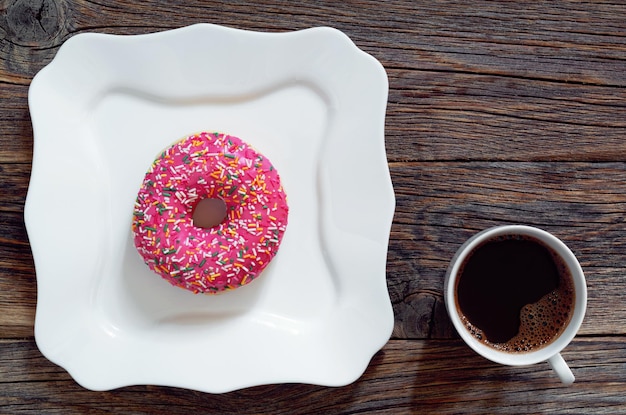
pixel 521 358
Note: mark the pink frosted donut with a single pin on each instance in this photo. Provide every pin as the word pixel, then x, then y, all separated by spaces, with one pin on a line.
pixel 229 254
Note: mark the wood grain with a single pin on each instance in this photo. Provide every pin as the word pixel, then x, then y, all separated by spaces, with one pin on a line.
pixel 499 112
pixel 405 377
pixel 434 116
pixel 470 83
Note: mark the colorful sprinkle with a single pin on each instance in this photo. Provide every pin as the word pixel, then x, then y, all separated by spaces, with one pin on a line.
pixel 201 260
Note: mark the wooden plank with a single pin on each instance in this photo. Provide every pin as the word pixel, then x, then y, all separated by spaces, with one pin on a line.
pixel 448 116
pixel 439 205
pixel 442 377
pixel 14 180
pixel 18 285
pixel 435 116
pixel 461 88
pixel 16 140
pixel 17 273
pixel 564 41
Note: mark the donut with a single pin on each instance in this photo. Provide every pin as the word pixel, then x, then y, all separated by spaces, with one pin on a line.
pixel 210 213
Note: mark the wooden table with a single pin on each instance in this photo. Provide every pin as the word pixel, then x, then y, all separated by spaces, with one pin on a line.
pixel 498 112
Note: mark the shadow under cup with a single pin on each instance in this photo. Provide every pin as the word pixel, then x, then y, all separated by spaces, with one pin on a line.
pixel 497 351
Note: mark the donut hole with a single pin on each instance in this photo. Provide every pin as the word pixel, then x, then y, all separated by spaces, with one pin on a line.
pixel 209 212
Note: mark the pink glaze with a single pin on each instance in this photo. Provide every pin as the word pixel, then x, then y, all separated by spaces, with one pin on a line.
pixel 226 256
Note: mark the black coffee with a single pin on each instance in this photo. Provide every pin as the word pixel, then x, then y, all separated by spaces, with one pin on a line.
pixel 514 293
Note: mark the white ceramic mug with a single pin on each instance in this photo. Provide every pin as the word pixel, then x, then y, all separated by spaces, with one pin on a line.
pixel 550 352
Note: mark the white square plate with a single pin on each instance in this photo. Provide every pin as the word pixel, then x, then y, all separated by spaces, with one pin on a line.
pixel 314 104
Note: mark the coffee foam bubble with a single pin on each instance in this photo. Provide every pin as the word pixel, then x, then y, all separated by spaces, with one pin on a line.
pixel 540 322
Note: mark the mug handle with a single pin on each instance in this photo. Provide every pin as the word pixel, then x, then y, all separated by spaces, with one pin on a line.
pixel 557 363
